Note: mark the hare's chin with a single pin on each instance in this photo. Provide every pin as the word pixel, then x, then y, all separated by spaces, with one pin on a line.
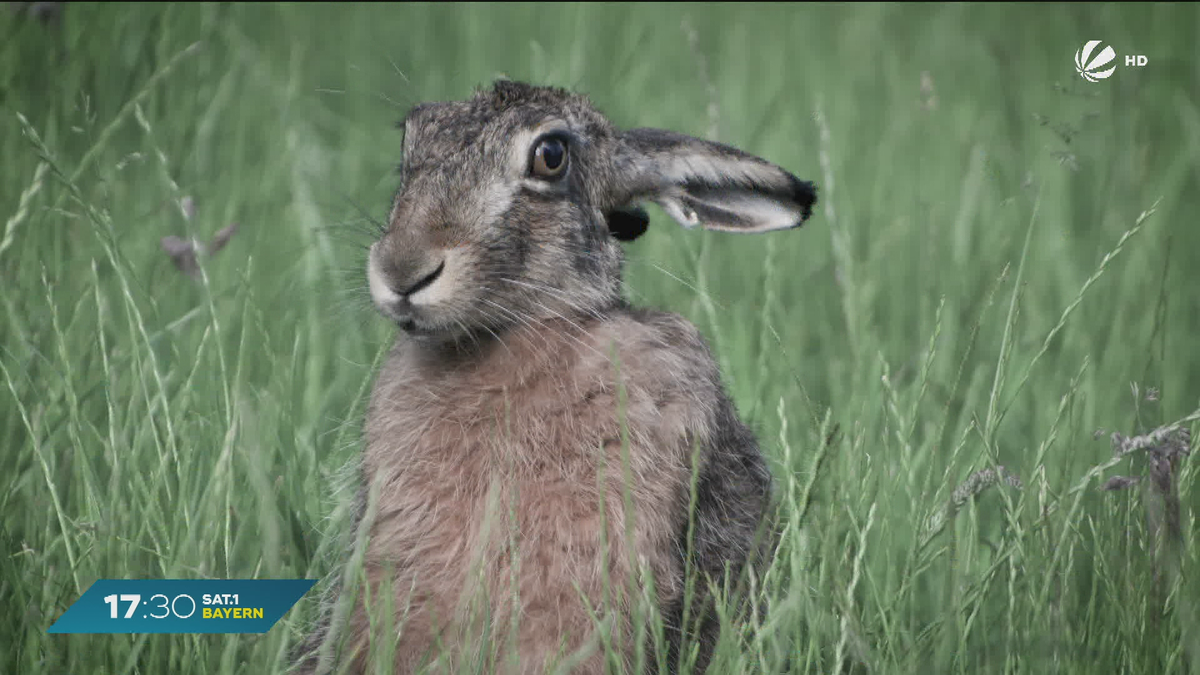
pixel 412 320
pixel 411 327
pixel 424 332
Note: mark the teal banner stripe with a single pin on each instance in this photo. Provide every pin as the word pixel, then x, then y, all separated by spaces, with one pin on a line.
pixel 181 606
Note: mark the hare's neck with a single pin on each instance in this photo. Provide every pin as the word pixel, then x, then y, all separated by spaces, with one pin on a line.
pixel 518 348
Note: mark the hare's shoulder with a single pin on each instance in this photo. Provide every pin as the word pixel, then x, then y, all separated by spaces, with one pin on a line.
pixel 663 361
pixel 664 347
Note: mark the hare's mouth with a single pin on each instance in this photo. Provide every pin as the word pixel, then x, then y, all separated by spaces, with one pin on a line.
pixel 412 320
pixel 419 322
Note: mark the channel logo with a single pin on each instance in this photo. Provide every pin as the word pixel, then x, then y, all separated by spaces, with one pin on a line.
pixel 1091 65
pixel 1090 68
pixel 181 606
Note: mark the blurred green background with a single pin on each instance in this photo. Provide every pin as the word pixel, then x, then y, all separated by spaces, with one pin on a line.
pixel 983 284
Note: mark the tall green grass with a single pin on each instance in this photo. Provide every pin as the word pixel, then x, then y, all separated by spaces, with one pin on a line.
pixel 1001 274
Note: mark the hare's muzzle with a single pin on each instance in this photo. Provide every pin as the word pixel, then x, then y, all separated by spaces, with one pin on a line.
pixel 422 282
pixel 399 284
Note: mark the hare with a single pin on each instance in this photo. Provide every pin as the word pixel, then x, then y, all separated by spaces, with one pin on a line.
pixel 534 439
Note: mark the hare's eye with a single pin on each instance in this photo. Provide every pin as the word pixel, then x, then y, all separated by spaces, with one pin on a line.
pixel 549 157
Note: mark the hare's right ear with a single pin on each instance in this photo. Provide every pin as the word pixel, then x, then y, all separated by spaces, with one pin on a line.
pixel 715 186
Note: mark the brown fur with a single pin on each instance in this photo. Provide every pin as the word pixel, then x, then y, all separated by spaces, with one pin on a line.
pixel 475 437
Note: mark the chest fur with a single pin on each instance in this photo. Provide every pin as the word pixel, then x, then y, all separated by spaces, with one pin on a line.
pixel 535 455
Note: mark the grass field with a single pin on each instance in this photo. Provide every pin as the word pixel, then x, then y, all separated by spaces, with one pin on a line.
pixel 1001 273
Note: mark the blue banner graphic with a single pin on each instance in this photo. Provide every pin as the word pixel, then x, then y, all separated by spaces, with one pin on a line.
pixel 181 606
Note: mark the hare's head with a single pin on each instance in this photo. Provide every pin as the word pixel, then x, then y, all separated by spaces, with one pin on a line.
pixel 512 203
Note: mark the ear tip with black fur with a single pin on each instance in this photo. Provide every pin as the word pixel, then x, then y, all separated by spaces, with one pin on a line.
pixel 804 193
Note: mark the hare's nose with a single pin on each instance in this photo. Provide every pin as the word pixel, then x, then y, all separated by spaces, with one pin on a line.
pixel 422 282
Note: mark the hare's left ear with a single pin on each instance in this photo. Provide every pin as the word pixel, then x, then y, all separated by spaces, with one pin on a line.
pixel 715 186
pixel 627 223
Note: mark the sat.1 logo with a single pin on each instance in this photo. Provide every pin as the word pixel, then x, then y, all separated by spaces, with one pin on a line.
pixel 1094 68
